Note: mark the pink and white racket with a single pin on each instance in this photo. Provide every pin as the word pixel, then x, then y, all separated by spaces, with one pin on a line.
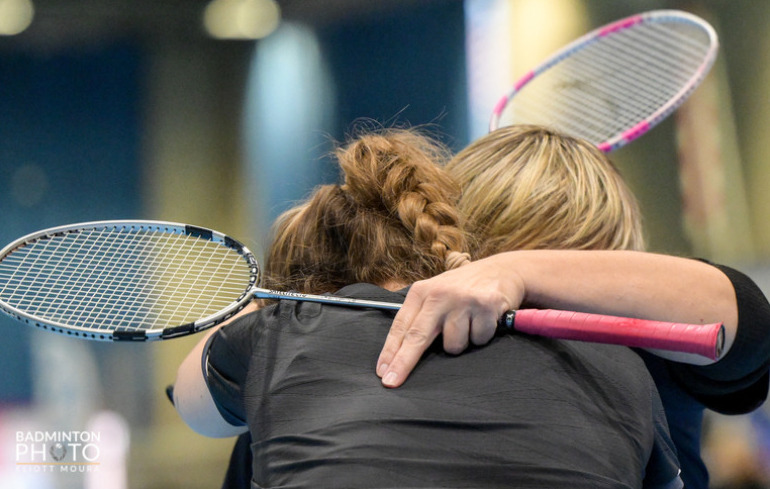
pixel 154 280
pixel 615 83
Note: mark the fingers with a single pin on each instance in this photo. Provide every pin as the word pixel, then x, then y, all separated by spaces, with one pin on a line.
pixel 482 328
pixel 394 339
pixel 456 332
pixel 469 327
pixel 415 342
pixel 398 329
pixel 397 363
pixel 406 342
pixel 427 312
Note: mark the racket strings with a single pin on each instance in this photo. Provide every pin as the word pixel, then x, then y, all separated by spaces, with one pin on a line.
pixel 100 278
pixel 64 283
pixel 639 57
pixel 647 95
pixel 81 274
pixel 58 287
pixel 159 283
pixel 217 270
pixel 611 84
pixel 665 66
pixel 134 299
pixel 184 283
pixel 600 113
pixel 30 284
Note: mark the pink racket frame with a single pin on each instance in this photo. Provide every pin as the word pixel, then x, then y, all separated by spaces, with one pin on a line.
pixel 644 125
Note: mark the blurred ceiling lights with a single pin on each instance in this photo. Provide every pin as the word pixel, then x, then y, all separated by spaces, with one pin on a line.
pixel 222 19
pixel 240 19
pixel 15 16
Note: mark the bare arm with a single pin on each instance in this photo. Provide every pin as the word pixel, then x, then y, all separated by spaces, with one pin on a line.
pixel 464 304
pixel 192 398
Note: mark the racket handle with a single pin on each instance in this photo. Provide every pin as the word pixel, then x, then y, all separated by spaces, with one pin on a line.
pixel 702 339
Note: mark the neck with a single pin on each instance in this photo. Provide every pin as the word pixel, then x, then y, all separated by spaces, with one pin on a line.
pixel 393 285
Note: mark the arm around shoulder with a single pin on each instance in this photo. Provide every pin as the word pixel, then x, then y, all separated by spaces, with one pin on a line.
pixel 631 284
pixel 464 303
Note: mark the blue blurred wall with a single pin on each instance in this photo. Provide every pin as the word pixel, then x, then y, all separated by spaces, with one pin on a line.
pixel 69 152
pixel 311 84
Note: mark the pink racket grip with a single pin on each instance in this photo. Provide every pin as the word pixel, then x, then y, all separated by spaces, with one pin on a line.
pixel 703 339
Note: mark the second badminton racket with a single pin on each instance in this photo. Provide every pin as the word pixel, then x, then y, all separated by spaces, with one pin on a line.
pixel 617 82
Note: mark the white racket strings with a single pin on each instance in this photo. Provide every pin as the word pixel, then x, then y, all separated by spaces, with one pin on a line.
pixel 110 278
pixel 615 81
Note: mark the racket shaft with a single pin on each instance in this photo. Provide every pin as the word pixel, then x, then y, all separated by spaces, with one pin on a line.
pixel 702 339
pixel 325 299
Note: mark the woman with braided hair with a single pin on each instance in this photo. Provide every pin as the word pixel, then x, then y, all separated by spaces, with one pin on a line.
pixel 393 219
pixel 522 412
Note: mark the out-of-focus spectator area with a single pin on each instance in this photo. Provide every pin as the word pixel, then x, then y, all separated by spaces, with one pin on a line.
pixel 222 113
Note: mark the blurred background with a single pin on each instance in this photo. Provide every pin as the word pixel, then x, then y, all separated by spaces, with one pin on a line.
pixel 221 113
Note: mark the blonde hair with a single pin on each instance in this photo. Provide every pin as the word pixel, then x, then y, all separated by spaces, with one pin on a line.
pixel 394 217
pixel 528 187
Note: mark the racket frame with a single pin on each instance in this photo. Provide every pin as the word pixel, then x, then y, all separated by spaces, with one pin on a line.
pixel 122 334
pixel 647 123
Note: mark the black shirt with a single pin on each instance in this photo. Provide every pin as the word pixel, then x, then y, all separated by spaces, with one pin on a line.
pixel 520 412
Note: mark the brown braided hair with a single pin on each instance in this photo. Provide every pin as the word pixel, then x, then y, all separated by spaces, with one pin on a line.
pixel 394 217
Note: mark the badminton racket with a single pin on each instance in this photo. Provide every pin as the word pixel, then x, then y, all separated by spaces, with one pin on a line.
pixel 155 280
pixel 617 82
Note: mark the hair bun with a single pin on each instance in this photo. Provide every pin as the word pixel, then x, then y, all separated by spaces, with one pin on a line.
pixel 393 219
pixel 366 165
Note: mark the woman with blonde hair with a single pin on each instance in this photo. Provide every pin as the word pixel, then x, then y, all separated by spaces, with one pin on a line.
pixel 544 191
pixel 297 375
pixel 568 235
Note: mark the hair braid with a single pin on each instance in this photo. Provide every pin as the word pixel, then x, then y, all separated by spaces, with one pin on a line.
pixel 403 166
pixel 394 217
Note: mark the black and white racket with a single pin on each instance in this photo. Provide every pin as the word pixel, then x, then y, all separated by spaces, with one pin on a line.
pixel 153 280
pixel 615 83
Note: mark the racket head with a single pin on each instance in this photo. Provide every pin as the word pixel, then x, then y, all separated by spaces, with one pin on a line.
pixel 126 280
pixel 617 82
